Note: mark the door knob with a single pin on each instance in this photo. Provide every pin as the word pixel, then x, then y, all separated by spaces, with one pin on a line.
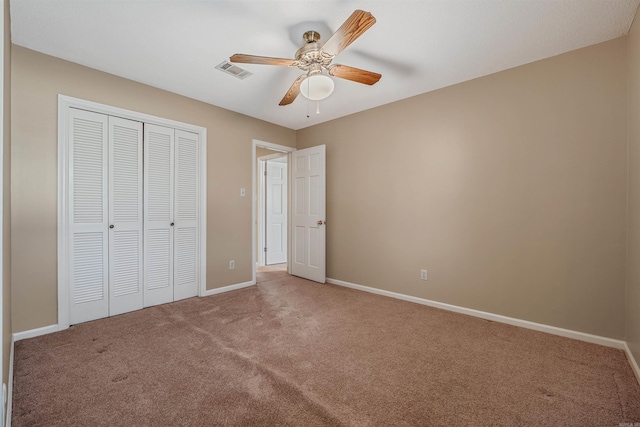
pixel 111 226
pixel 320 222
pixel 171 224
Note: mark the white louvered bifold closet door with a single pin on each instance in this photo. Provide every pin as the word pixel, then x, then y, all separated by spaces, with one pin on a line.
pixel 125 215
pixel 158 214
pixel 186 266
pixel 88 216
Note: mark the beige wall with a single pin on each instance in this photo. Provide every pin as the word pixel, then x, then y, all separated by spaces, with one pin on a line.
pixel 6 202
pixel 633 260
pixel 37 81
pixel 510 189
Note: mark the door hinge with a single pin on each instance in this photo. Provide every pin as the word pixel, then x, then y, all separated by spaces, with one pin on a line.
pixel 265 249
pixel 265 173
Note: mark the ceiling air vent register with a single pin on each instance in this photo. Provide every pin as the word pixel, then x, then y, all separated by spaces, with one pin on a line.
pixel 233 70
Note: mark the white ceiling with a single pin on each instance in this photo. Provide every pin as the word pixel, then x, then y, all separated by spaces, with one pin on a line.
pixel 417 46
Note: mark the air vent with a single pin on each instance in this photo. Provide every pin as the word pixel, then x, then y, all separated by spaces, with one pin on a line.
pixel 234 70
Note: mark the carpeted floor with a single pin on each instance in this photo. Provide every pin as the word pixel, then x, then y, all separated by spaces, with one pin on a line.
pixel 293 352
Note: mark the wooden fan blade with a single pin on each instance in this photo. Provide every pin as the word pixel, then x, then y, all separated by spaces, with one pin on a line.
pixel 293 91
pixel 354 74
pixel 262 60
pixel 359 22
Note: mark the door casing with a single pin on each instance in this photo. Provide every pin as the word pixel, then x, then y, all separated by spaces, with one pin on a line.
pixel 254 198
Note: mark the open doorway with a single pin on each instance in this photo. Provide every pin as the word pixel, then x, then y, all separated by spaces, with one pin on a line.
pixel 271 210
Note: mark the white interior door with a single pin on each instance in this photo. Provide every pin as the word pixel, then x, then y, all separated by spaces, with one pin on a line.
pixel 158 214
pixel 186 255
pixel 276 212
pixel 309 204
pixel 88 215
pixel 125 215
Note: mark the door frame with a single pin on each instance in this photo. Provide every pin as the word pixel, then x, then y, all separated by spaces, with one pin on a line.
pixel 255 143
pixel 65 103
pixel 262 204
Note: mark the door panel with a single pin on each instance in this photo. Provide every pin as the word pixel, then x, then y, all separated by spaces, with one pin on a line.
pixel 125 216
pixel 186 256
pixel 88 242
pixel 158 203
pixel 309 214
pixel 276 213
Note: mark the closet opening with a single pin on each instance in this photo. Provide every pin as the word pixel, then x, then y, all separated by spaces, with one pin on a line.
pixel 131 211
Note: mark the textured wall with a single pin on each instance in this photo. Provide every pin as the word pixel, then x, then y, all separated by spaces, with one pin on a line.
pixel 38 79
pixel 510 189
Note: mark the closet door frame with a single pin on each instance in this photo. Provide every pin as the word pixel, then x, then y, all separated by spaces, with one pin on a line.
pixel 65 103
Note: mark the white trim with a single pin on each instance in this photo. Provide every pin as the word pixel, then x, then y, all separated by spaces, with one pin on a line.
pixel 7 421
pixel 203 212
pixel 595 339
pixel 64 104
pixel 63 212
pixel 261 208
pixel 273 156
pixel 32 333
pixel 276 147
pixel 632 362
pixel 70 102
pixel 229 288
pixel 3 409
pixel 273 147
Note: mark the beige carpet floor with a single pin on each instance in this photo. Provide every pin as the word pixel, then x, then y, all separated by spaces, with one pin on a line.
pixel 293 352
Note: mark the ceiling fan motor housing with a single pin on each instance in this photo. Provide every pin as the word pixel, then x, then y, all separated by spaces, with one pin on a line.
pixel 310 55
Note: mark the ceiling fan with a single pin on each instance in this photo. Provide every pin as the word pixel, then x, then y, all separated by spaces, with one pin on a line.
pixel 314 56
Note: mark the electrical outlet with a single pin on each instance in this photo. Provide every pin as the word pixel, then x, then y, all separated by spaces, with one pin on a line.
pixel 423 274
pixel 232 265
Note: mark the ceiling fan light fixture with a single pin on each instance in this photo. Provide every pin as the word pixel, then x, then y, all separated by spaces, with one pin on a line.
pixel 317 87
pixel 314 57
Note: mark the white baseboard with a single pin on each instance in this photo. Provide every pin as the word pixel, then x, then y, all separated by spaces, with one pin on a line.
pixel 8 411
pixel 632 361
pixel 31 333
pixel 223 289
pixel 595 339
